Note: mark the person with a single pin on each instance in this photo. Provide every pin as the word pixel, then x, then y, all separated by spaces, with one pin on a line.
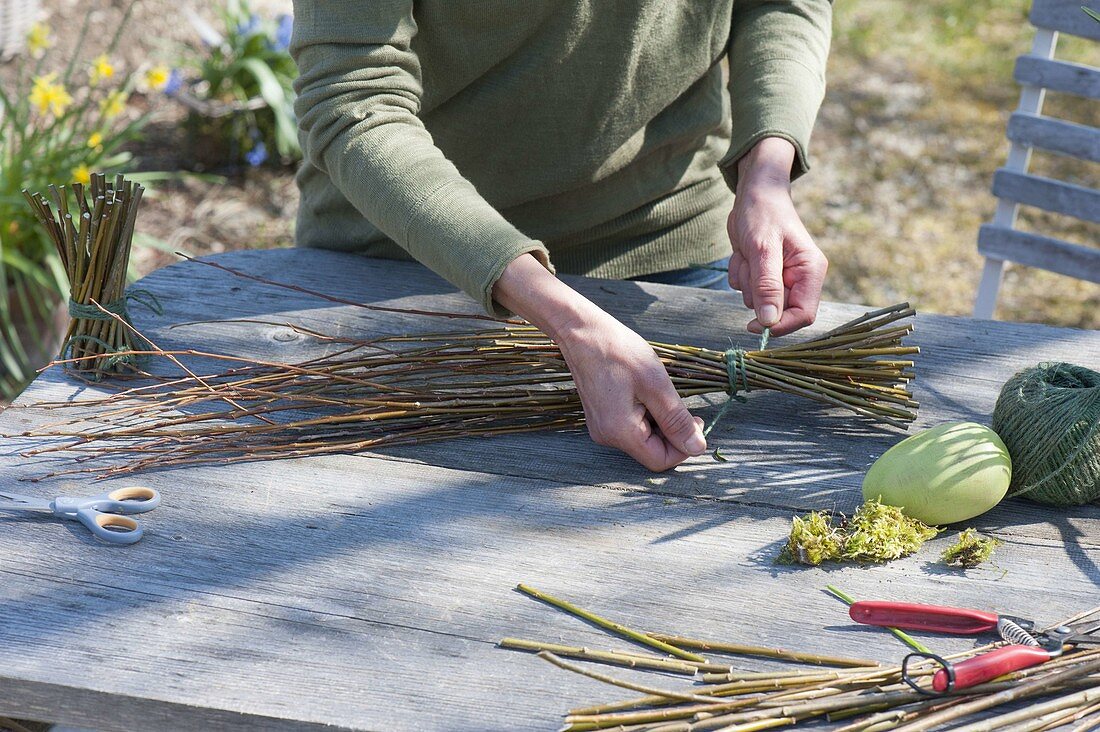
pixel 497 140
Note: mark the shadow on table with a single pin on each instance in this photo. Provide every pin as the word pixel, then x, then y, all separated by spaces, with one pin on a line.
pixel 785 454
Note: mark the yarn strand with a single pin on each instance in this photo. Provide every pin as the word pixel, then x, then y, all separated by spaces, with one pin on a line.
pixel 736 371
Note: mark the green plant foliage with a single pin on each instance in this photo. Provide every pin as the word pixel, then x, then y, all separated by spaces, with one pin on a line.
pixel 244 62
pixel 875 533
pixel 60 120
pixel 969 550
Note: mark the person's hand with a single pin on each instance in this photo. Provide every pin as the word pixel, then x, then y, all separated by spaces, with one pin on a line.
pixel 628 397
pixel 775 263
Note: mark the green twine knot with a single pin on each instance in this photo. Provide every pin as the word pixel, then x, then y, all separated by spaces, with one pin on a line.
pixel 738 376
pixel 87 311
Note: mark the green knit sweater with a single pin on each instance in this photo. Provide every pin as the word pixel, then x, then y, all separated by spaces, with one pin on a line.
pixel 597 134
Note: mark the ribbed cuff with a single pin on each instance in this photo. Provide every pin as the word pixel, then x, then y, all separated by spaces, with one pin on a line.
pixel 530 246
pixel 784 103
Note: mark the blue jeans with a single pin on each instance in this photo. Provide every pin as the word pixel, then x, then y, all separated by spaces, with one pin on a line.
pixel 713 276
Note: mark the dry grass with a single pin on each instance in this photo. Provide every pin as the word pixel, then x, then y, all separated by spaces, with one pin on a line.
pixel 905 149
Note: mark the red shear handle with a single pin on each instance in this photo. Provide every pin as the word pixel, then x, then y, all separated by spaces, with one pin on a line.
pixel 979 669
pixel 934 618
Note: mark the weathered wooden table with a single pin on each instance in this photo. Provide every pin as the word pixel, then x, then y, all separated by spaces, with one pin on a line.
pixel 367 592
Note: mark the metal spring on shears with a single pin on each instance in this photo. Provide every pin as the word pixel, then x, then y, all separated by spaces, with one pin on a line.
pixel 1013 633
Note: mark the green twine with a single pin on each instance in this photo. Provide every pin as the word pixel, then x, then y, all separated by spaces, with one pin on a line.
pixel 1049 419
pixel 89 311
pixel 738 376
pixel 110 356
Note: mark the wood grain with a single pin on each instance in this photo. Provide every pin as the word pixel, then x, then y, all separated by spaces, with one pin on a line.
pixel 1060 76
pixel 1048 253
pixel 1066 138
pixel 366 592
pixel 1066 16
pixel 1048 194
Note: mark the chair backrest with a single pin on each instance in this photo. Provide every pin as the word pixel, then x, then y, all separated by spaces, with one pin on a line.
pixel 1028 129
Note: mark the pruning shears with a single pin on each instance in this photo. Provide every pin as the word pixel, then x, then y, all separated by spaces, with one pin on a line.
pixel 1028 644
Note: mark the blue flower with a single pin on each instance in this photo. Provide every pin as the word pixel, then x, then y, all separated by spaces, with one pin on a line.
pixel 174 83
pixel 247 29
pixel 283 31
pixel 257 155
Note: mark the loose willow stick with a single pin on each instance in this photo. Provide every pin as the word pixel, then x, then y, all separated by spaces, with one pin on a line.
pixel 763 724
pixel 608 624
pixel 1053 720
pixel 608 657
pixel 622 683
pixel 742 650
pixel 1031 711
pixel 754 683
pixel 899 634
pixel 1021 691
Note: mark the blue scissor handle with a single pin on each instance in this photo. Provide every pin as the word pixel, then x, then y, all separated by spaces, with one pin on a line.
pixel 104 515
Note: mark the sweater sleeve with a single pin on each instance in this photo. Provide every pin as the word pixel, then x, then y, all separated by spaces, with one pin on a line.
pixel 777 55
pixel 359 90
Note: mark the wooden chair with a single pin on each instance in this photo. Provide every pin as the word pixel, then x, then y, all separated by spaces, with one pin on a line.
pixel 1000 241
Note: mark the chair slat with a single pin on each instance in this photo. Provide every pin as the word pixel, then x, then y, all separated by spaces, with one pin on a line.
pixel 1056 135
pixel 1044 252
pixel 1061 76
pixel 1047 194
pixel 1066 16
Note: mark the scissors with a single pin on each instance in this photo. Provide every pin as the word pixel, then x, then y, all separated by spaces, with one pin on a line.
pixel 1029 644
pixel 106 515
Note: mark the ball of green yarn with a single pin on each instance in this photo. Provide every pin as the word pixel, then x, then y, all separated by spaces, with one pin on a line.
pixel 1049 419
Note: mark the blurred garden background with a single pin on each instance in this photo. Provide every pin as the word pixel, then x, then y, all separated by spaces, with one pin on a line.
pixel 906 145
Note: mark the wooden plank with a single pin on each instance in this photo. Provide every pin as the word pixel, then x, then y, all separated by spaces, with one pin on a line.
pixel 1066 16
pixel 1043 252
pixel 374 604
pixel 1048 194
pixel 959 373
pixel 1060 76
pixel 366 591
pixel 1055 135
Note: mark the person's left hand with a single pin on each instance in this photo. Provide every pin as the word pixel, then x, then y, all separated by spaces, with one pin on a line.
pixel 775 263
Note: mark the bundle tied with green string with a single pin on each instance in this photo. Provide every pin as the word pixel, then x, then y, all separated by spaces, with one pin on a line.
pixel 93 230
pixel 422 387
pixel 1049 419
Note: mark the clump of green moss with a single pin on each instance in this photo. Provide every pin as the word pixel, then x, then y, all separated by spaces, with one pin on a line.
pixel 875 533
pixel 813 540
pixel 969 550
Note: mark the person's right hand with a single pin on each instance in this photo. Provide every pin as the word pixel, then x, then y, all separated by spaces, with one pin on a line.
pixel 629 401
pixel 628 397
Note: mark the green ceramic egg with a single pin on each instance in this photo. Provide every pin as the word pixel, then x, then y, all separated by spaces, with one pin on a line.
pixel 942 475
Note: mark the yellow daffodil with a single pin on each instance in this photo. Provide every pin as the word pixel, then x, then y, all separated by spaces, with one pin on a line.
pixel 100 70
pixel 82 175
pixel 49 96
pixel 38 39
pixel 114 104
pixel 157 77
pixel 95 140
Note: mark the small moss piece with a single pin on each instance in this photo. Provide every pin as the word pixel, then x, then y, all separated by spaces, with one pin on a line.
pixel 813 540
pixel 969 550
pixel 875 533
pixel 879 533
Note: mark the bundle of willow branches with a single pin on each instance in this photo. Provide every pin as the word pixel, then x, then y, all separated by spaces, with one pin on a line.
pixel 867 696
pixel 95 252
pixel 396 390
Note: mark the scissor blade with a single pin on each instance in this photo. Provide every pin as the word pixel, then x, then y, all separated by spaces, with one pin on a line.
pixel 23 503
pixel 1084 633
